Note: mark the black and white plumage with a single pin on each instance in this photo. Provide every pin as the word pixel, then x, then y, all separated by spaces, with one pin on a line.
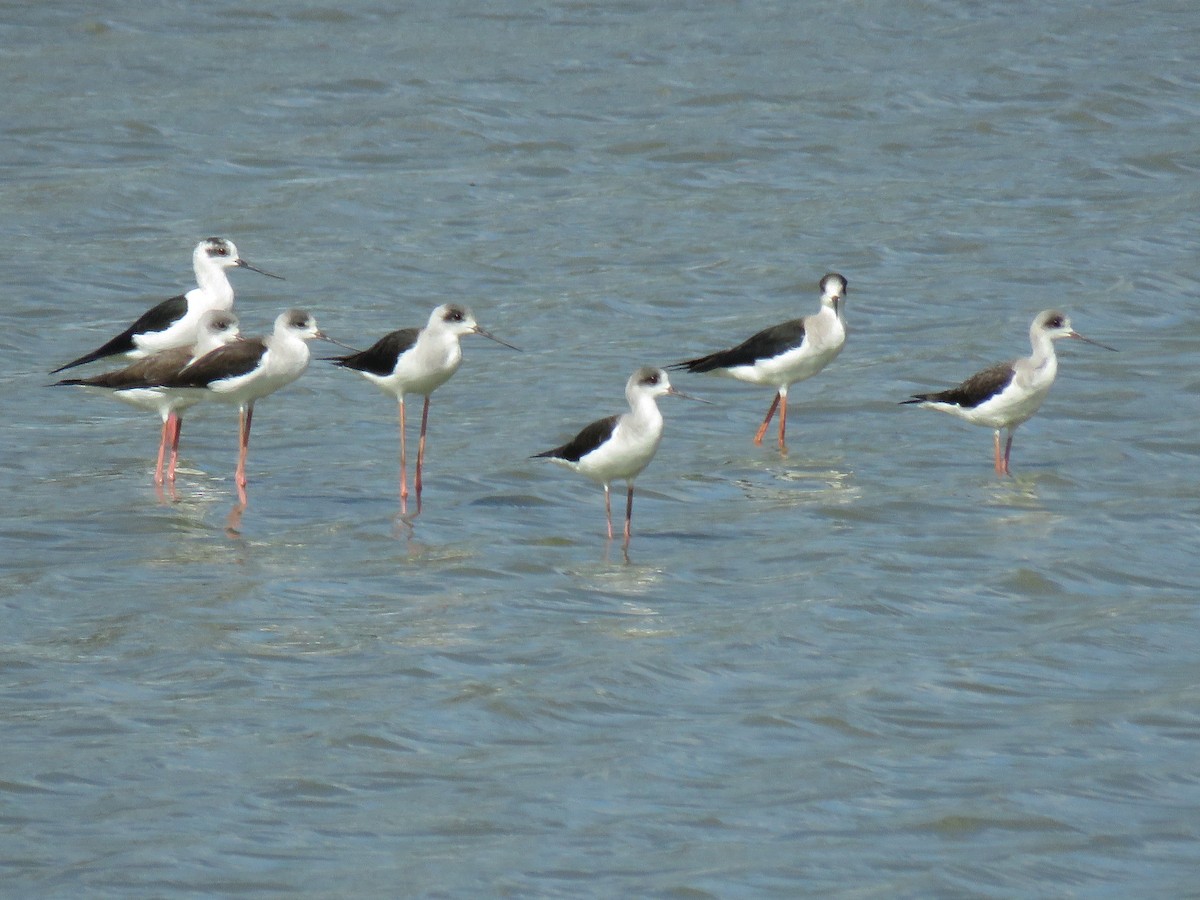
pixel 417 361
pixel 217 327
pixel 1006 395
pixel 174 322
pixel 620 446
pixel 245 371
pixel 783 354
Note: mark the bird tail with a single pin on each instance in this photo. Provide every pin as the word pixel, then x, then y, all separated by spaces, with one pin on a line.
pixel 83 360
pixel 701 364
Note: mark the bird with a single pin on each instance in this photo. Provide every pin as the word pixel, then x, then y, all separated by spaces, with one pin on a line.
pixel 245 371
pixel 621 446
pixel 132 384
pixel 1007 394
pixel 783 354
pixel 173 322
pixel 417 361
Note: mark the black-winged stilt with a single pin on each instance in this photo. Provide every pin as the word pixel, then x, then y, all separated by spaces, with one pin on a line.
pixel 217 328
pixel 173 323
pixel 417 361
pixel 1007 394
pixel 783 354
pixel 621 446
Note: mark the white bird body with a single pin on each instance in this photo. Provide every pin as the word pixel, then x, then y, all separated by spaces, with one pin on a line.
pixel 140 383
pixel 176 322
pixel 417 361
pixel 245 371
pixel 783 354
pixel 619 447
pixel 1006 395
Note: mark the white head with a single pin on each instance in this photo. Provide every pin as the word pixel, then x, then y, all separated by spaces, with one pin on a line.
pixel 453 318
pixel 458 320
pixel 219 254
pixel 298 323
pixel 833 290
pixel 216 328
pixel 648 382
pixel 1050 324
pixel 652 382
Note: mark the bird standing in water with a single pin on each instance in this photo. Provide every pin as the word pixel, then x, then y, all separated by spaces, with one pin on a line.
pixel 620 446
pixel 1007 394
pixel 783 354
pixel 417 361
pixel 174 322
pixel 130 384
pixel 245 371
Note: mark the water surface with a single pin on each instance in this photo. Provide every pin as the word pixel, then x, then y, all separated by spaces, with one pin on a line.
pixel 870 668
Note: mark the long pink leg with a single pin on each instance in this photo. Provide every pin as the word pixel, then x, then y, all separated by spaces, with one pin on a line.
pixel 421 451
pixel 162 449
pixel 782 421
pixel 608 510
pixel 1008 453
pixel 628 514
pixel 174 446
pixel 996 444
pixel 403 464
pixel 762 430
pixel 245 417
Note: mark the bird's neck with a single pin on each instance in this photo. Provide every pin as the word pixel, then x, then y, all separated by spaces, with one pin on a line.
pixel 1043 353
pixel 214 283
pixel 830 311
pixel 644 413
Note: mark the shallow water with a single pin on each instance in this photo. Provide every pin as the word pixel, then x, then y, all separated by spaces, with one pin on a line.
pixel 870 668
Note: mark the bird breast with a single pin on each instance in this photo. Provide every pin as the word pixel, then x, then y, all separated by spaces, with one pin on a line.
pixel 429 366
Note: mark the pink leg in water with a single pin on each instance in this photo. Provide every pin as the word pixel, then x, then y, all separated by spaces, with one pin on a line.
pixel 762 429
pixel 163 440
pixel 178 427
pixel 403 464
pixel 782 422
pixel 421 451
pixel 246 414
pixel 628 514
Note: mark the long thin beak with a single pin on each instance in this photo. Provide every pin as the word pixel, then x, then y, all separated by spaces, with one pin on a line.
pixel 242 264
pixel 322 336
pixel 1080 337
pixel 677 393
pixel 488 334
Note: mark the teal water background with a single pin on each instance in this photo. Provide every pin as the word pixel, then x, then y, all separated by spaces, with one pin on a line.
pixel 868 669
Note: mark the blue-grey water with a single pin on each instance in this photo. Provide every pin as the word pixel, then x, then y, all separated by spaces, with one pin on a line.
pixel 869 669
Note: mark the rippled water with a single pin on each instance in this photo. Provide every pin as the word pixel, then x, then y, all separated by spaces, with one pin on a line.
pixel 870 668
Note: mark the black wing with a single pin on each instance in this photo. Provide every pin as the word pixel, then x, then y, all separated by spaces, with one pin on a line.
pixel 977 389
pixel 380 358
pixel 157 318
pixel 152 370
pixel 229 361
pixel 767 343
pixel 583 443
